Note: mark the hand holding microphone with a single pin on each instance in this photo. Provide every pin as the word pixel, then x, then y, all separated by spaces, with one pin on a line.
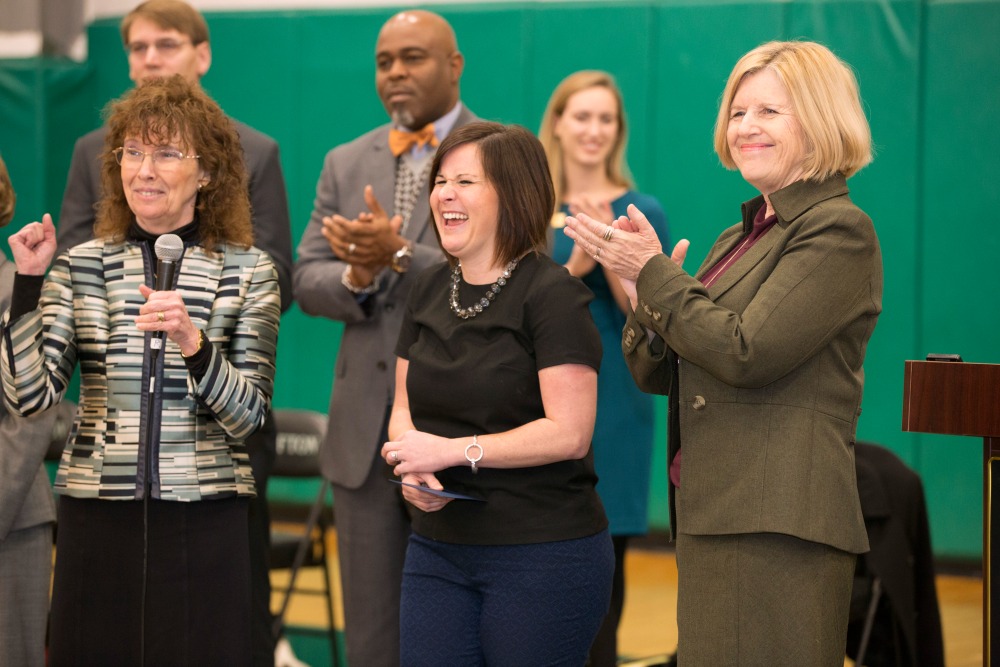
pixel 164 311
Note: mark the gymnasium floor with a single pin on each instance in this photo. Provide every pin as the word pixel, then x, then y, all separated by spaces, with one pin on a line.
pixel 649 631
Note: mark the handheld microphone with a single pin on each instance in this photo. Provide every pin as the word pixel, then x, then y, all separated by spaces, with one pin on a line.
pixel 169 249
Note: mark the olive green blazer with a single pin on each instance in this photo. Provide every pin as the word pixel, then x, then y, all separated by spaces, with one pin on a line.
pixel 769 369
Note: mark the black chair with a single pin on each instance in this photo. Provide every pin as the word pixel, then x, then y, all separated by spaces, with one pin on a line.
pixel 300 433
pixel 895 618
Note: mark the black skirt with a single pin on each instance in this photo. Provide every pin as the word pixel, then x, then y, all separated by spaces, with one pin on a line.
pixel 195 609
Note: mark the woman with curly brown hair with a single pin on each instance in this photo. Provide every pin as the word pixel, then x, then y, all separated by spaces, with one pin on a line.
pixel 152 559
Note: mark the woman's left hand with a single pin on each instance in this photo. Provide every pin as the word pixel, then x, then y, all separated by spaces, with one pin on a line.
pixel 416 452
pixel 621 251
pixel 422 500
pixel 165 311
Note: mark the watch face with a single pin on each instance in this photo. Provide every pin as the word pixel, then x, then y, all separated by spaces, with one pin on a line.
pixel 401 260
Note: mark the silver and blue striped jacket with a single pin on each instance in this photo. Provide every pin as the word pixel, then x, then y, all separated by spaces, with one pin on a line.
pixel 86 314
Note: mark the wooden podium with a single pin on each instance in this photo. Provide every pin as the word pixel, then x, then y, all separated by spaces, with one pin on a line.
pixel 956 398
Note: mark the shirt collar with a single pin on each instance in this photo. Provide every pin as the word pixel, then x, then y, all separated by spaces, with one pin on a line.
pixel 442 127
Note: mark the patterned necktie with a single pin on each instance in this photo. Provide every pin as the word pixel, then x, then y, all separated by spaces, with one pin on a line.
pixel 408 186
pixel 401 141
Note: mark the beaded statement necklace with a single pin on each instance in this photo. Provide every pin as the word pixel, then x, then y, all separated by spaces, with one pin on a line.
pixel 483 303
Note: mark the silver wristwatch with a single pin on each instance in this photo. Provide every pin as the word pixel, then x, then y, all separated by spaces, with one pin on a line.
pixel 402 259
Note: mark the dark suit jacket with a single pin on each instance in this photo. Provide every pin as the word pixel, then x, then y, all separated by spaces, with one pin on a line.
pixel 769 369
pixel 892 500
pixel 25 494
pixel 364 379
pixel 268 199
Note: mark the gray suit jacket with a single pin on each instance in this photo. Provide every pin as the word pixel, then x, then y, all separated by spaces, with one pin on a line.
pixel 268 199
pixel 769 364
pixel 25 494
pixel 364 375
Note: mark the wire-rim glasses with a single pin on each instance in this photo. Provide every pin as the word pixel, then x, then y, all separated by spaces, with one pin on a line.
pixel 164 158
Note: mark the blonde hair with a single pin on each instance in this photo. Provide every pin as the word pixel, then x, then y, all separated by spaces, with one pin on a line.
pixel 617 168
pixel 825 99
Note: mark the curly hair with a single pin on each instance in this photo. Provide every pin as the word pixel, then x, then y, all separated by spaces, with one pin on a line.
pixel 7 196
pixel 158 111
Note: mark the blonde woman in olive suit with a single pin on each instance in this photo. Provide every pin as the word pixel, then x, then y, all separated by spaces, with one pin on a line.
pixel 761 353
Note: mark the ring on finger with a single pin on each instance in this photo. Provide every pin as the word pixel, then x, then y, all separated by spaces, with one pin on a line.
pixel 160 316
pixel 351 248
pixel 609 232
pixel 597 253
pixel 394 456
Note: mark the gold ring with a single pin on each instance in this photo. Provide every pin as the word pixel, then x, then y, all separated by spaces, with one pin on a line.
pixel 351 248
pixel 159 315
pixel 608 233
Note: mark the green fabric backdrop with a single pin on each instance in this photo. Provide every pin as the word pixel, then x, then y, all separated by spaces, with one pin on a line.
pixel 928 72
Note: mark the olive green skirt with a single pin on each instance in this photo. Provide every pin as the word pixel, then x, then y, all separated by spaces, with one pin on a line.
pixel 761 599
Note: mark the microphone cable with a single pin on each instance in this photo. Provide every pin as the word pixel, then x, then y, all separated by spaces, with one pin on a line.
pixel 169 249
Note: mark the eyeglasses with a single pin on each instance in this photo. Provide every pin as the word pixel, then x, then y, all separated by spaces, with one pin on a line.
pixel 167 47
pixel 163 158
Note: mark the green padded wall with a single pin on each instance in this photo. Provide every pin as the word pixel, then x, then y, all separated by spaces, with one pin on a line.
pixel 928 72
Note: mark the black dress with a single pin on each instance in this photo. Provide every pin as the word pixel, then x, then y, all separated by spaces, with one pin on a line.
pixel 480 376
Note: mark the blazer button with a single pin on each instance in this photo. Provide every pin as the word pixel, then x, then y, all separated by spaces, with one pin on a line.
pixel 656 316
pixel 628 341
pixel 647 310
pixel 698 403
pixel 630 332
pixel 380 365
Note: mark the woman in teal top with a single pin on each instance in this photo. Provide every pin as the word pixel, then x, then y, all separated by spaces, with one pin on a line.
pixel 584 135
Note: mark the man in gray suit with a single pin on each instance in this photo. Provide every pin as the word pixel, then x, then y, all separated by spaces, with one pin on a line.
pixel 164 38
pixel 26 507
pixel 356 265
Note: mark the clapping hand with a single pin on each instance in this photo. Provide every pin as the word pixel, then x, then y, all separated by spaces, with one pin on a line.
pixel 367 241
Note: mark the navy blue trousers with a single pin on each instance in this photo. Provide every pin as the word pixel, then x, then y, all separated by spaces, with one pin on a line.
pixel 509 605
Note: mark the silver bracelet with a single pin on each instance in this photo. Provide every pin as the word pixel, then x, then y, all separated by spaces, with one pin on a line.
pixel 354 289
pixel 474 461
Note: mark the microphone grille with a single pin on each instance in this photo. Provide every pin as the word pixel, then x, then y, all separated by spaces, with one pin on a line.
pixel 169 247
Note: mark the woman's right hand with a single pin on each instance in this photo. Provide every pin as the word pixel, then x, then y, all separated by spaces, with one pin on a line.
pixel 579 263
pixel 422 500
pixel 34 246
pixel 595 208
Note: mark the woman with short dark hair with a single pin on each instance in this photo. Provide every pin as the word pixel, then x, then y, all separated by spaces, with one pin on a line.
pixel 510 561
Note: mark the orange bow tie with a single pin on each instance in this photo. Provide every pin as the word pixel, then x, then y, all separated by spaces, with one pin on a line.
pixel 401 141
